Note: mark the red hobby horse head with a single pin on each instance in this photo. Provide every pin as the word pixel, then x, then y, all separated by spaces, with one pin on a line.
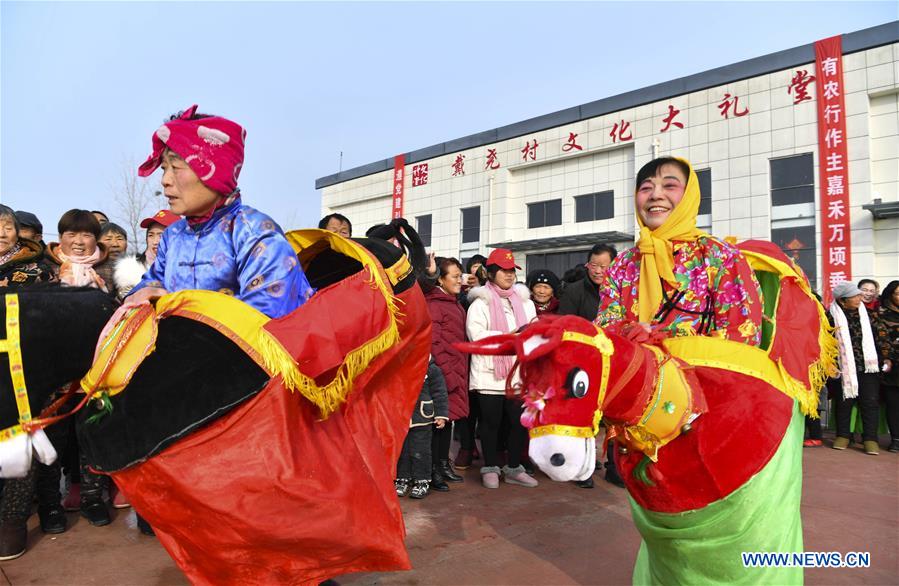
pixel 564 364
pixel 573 374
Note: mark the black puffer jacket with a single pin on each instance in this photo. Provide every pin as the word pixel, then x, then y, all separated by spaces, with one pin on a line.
pixel 432 402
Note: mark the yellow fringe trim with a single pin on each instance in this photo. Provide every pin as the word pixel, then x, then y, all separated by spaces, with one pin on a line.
pixel 826 364
pixel 244 326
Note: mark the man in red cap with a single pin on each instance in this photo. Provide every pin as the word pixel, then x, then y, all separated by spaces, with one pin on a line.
pixel 130 269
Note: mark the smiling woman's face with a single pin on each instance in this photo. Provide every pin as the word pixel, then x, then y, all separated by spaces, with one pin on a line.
pixel 657 196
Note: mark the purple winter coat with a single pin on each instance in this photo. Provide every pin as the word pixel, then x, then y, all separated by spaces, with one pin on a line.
pixel 449 327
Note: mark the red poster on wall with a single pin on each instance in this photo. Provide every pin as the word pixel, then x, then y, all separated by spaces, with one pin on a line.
pixel 833 162
pixel 399 173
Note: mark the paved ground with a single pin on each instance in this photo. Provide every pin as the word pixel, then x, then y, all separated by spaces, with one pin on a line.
pixel 554 534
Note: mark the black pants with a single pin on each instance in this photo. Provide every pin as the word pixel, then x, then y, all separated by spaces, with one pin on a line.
pixel 891 399
pixel 92 485
pixel 868 407
pixel 415 459
pixel 468 426
pixel 814 428
pixel 440 442
pixel 492 409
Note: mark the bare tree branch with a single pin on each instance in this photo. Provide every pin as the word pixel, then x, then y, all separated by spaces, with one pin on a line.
pixel 135 198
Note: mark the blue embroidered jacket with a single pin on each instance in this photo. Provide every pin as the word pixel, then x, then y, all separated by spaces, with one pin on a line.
pixel 239 251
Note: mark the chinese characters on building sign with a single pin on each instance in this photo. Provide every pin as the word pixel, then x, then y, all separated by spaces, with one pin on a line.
pixel 729 102
pixel 419 175
pixel 399 171
pixel 492 162
pixel 621 132
pixel 836 247
pixel 799 86
pixel 529 151
pixel 459 165
pixel 571 144
pixel 668 121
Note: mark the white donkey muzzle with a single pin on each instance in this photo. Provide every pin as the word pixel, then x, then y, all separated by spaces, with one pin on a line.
pixel 564 458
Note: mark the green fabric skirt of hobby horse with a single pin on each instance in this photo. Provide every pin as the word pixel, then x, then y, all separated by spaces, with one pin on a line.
pixel 704 546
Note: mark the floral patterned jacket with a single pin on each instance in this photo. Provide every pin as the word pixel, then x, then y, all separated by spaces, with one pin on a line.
pixel 717 293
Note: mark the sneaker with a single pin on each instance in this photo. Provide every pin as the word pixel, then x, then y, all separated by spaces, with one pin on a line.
pixel 872 448
pixel 463 459
pixel 117 497
pixel 13 539
pixel 420 489
pixel 812 443
pixel 841 443
pixel 144 527
pixel 894 446
pixel 518 476
pixel 72 502
pixel 490 476
pixel 613 477
pixel 402 486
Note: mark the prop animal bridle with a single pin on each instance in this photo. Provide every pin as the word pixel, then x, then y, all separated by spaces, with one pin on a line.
pixel 533 405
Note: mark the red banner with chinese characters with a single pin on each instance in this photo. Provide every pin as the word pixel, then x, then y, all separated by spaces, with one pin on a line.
pixel 833 162
pixel 399 174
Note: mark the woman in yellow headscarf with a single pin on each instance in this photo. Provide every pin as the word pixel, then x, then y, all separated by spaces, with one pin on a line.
pixel 679 280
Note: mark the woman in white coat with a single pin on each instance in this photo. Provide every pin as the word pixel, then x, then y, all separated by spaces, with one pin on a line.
pixel 501 306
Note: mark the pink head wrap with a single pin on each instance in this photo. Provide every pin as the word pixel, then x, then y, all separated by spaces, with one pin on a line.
pixel 212 147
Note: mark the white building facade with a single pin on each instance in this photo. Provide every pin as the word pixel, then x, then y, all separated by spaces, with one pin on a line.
pixel 551 187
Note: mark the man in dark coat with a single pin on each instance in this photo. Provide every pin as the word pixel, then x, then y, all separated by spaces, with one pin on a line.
pixel 582 298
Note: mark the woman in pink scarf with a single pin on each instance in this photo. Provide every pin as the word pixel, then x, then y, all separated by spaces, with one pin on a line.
pixel 80 258
pixel 499 307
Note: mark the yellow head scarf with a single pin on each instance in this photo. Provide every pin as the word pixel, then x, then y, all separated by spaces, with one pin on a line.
pixel 657 250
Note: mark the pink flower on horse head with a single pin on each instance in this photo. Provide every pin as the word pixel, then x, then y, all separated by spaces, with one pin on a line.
pixel 534 404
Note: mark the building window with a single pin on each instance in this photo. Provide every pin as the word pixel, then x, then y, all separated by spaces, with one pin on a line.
pixel 471 224
pixel 792 180
pixel 705 191
pixel 557 262
pixel 594 206
pixel 424 229
pixel 798 243
pixel 545 213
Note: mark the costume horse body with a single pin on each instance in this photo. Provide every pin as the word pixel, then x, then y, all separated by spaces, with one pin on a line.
pixel 710 429
pixel 202 426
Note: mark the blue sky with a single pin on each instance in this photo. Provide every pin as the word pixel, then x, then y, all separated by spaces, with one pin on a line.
pixel 84 85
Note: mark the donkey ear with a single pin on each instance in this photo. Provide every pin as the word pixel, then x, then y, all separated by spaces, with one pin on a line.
pixel 535 345
pixel 502 345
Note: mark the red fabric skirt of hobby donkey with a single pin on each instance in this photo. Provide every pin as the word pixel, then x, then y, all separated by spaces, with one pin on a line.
pixel 271 494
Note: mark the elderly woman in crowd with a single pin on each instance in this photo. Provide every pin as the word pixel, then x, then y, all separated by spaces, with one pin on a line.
pixel 221 244
pixel 863 345
pixel 21 260
pixel 545 287
pixel 449 328
pixel 21 264
pixel 501 306
pixel 80 259
pixel 115 239
pixel 889 384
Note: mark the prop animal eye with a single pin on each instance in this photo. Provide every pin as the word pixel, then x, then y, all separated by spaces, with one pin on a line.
pixel 578 383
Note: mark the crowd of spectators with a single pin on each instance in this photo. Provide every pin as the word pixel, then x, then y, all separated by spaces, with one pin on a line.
pixel 463 398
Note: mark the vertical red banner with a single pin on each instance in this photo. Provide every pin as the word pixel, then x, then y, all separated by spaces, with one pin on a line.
pixel 399 175
pixel 833 162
